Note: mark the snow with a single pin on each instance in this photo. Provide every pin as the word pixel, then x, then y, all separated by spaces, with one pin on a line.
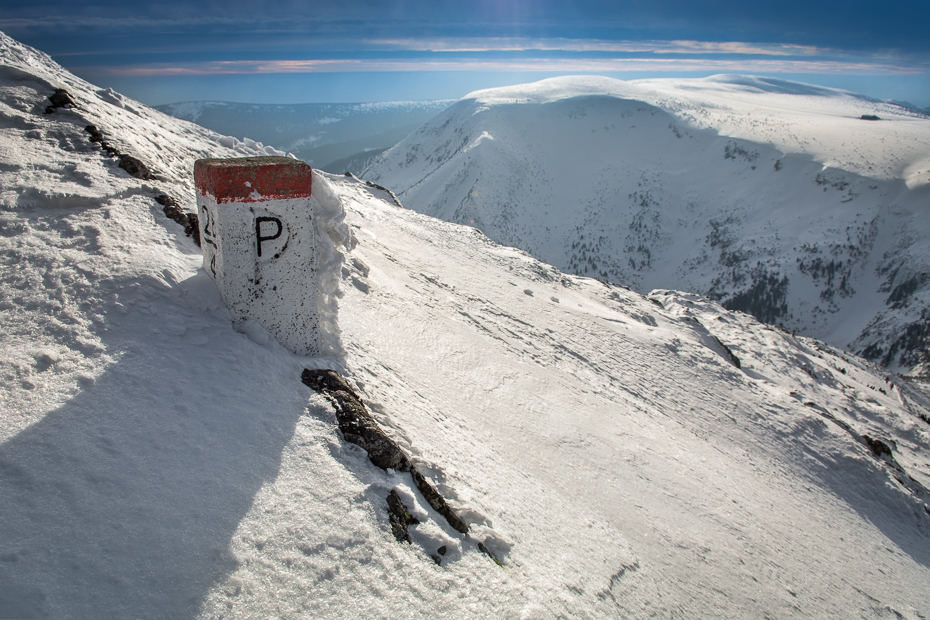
pixel 776 193
pixel 332 235
pixel 155 462
pixel 822 123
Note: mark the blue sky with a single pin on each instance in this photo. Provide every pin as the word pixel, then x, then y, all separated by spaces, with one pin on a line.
pixel 367 50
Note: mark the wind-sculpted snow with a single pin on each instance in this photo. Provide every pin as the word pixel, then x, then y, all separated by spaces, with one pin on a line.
pixel 772 197
pixel 616 455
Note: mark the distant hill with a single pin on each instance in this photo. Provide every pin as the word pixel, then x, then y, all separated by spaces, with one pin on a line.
pixel 317 133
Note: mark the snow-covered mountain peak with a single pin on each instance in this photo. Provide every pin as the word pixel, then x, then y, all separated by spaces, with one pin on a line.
pixel 565 87
pixel 837 128
pixel 800 204
pixel 555 89
pixel 758 84
pixel 823 123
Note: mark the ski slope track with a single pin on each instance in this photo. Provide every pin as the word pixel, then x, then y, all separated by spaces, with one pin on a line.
pixel 619 456
pixel 776 198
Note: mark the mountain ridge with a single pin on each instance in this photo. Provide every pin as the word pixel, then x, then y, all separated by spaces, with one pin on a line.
pixel 768 202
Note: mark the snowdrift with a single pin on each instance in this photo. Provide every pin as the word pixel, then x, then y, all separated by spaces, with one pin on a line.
pixel 620 456
pixel 774 198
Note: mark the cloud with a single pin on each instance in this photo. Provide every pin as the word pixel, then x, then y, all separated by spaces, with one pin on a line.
pixel 563 65
pixel 502 44
pixel 80 22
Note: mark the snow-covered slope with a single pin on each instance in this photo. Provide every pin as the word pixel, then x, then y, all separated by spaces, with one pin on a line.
pixel 60 190
pixel 775 198
pixel 621 456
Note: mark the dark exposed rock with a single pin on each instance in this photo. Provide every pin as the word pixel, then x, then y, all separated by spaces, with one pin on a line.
pixel 173 211
pixel 400 517
pixel 882 452
pixel 354 421
pixel 727 353
pixel 60 99
pixel 384 189
pixel 733 358
pixel 135 167
pixel 878 447
pixel 483 549
pixel 95 135
pixel 194 220
pixel 437 501
pixel 869 117
pixel 130 164
pixel 360 428
pixel 442 550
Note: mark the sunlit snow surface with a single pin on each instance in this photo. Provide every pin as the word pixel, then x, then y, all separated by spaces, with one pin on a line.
pixel 773 197
pixel 155 462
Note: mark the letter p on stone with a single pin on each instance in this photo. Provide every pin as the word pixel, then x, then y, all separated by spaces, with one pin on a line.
pixel 258 242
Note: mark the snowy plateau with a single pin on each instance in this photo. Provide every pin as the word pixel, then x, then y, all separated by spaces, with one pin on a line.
pixel 807 207
pixel 613 455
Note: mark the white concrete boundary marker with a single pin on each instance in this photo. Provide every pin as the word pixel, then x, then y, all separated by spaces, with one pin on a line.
pixel 258 244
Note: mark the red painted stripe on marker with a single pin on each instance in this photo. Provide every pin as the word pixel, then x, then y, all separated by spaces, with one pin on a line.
pixel 251 179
